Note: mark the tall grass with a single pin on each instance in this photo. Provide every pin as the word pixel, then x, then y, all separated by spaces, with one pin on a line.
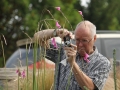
pixel 48 81
pixel 118 77
pixel 114 69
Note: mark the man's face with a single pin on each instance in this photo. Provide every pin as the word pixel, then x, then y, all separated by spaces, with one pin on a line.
pixel 84 41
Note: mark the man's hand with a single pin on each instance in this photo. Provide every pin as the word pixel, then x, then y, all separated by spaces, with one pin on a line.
pixel 64 32
pixel 71 53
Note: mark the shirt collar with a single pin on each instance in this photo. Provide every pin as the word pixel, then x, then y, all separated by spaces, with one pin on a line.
pixel 94 53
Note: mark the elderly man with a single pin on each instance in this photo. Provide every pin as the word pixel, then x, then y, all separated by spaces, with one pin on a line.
pixel 80 72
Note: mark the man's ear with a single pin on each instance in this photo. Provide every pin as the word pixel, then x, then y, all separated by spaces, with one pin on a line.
pixel 95 37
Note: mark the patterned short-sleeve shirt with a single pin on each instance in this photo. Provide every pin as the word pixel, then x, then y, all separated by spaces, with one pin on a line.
pixel 97 69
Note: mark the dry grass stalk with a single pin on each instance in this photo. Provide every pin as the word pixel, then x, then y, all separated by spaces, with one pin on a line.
pixel 49 79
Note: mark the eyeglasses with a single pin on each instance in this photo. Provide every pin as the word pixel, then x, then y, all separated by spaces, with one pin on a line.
pixel 83 41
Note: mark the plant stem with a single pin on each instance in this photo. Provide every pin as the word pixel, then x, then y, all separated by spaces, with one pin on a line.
pixel 27 66
pixel 34 67
pixel 57 64
pixel 69 78
pixel 3 52
pixel 66 19
pixel 114 69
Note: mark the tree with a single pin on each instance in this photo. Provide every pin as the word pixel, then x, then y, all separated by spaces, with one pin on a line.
pixel 104 14
pixel 11 22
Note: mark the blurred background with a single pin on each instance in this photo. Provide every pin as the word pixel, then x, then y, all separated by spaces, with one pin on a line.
pixel 19 18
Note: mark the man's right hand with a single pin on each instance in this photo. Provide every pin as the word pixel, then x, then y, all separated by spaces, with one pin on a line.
pixel 64 32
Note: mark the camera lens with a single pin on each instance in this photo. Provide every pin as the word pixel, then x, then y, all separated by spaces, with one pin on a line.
pixel 67 41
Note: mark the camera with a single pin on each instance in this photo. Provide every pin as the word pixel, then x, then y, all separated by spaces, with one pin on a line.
pixel 67 41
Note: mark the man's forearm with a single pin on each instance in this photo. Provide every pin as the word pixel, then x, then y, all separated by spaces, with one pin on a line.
pixel 82 79
pixel 44 34
pixel 42 37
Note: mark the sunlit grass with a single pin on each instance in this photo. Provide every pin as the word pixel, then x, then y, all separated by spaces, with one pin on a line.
pixel 110 81
pixel 49 79
pixel 118 77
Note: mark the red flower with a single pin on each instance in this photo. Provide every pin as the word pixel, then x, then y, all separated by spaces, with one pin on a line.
pixel 80 13
pixel 86 58
pixel 54 43
pixel 58 25
pixel 58 8
pixel 18 72
pixel 23 74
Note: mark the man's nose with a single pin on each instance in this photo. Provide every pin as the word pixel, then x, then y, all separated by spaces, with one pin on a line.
pixel 80 43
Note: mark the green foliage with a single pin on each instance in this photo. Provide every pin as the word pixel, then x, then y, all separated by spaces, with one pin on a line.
pixel 11 21
pixel 103 13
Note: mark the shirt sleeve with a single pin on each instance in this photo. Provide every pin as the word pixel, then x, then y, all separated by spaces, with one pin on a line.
pixel 55 55
pixel 100 74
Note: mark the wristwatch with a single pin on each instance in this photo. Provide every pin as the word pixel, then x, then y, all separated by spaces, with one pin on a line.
pixel 55 33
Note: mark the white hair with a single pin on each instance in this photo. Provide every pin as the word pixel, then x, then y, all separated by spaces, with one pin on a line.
pixel 91 26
